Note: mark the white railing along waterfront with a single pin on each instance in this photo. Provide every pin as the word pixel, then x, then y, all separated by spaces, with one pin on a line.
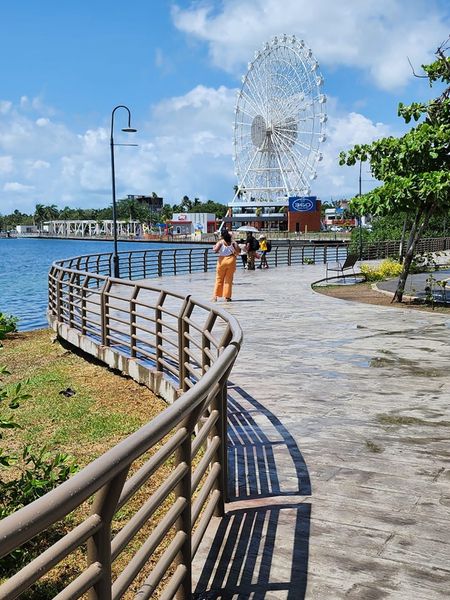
pixel 183 349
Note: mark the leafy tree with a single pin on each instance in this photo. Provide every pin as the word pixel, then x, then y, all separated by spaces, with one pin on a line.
pixel 216 208
pixel 51 212
pixel 166 213
pixel 39 215
pixel 414 168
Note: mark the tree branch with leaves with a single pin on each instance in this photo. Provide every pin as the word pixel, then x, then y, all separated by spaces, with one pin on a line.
pixel 415 168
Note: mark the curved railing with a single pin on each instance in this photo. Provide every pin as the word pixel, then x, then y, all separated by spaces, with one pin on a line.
pixel 147 264
pixel 183 349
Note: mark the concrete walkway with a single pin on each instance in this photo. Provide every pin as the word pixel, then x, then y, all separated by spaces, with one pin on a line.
pixel 339 450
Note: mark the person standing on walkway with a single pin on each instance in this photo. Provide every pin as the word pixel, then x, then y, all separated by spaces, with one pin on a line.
pixel 263 247
pixel 252 247
pixel 227 249
pixel 243 246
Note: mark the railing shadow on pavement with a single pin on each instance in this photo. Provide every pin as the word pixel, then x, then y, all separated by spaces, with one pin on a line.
pixel 260 548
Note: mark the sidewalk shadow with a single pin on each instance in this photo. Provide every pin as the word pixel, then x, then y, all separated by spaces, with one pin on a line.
pixel 260 548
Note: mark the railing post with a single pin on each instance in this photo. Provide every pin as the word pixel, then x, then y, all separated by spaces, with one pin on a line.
pixel 83 304
pixel 70 299
pixel 58 294
pixel 99 545
pixel 159 263
pixel 158 331
pixel 220 403
pixel 184 521
pixel 325 248
pixel 183 343
pixel 133 318
pixel 104 312
pixel 205 260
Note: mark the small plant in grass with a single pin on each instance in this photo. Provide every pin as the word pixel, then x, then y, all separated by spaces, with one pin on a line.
pixel 443 284
pixel 429 290
pixel 388 268
pixel 8 324
pixel 25 476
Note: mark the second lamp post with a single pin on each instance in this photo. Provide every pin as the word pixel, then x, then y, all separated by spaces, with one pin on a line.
pixel 128 129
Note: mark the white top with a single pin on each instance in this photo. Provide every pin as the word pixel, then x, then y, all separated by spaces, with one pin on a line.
pixel 225 250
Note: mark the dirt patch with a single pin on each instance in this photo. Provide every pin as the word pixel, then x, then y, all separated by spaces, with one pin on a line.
pixel 363 292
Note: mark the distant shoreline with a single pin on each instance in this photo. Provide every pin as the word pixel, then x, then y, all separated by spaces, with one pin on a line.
pixel 164 240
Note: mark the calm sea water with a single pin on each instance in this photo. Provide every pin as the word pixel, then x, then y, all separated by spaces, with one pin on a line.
pixel 24 266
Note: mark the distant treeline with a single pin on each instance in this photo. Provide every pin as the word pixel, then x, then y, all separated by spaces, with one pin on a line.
pixel 127 209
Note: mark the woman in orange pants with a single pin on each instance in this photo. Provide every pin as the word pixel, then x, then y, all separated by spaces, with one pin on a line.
pixel 227 250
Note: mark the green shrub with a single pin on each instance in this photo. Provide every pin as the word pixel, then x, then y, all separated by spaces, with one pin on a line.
pixel 26 476
pixel 388 268
pixel 8 324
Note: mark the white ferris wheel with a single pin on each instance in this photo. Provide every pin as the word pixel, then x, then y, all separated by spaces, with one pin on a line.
pixel 280 122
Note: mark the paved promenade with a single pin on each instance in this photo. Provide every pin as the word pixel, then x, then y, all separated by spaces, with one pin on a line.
pixel 339 455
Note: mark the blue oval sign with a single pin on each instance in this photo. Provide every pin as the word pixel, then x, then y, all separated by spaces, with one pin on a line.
pixel 302 203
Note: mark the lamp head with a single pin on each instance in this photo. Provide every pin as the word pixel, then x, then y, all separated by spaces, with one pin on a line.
pixel 129 130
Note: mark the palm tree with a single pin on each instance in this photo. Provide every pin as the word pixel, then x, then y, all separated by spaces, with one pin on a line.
pixel 186 204
pixel 51 212
pixel 39 215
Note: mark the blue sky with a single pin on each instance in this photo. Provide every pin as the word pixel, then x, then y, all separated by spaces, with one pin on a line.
pixel 177 65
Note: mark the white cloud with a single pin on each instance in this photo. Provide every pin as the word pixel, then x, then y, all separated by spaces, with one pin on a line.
pixel 15 186
pixel 5 107
pixel 344 131
pixel 185 148
pixel 6 164
pixel 375 36
pixel 35 165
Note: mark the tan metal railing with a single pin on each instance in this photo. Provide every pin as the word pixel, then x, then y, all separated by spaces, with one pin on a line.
pixel 184 350
pixel 144 264
pixel 391 248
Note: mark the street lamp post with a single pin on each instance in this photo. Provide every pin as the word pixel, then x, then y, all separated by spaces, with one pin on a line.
pixel 128 129
pixel 360 216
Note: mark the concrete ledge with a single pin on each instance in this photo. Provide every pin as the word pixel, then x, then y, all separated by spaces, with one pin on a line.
pixel 154 380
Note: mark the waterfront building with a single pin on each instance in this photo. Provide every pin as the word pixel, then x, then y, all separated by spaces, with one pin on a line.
pixel 153 202
pixel 296 214
pixel 27 229
pixel 193 223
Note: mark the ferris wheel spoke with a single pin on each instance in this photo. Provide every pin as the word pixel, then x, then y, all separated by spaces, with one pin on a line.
pixel 303 160
pixel 250 109
pixel 302 144
pixel 293 108
pixel 261 100
pixel 252 102
pixel 244 111
pixel 284 150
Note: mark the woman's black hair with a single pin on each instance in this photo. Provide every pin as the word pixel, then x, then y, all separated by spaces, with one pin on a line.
pixel 226 236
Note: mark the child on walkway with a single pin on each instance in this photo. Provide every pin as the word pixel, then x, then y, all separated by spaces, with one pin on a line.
pixel 243 246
